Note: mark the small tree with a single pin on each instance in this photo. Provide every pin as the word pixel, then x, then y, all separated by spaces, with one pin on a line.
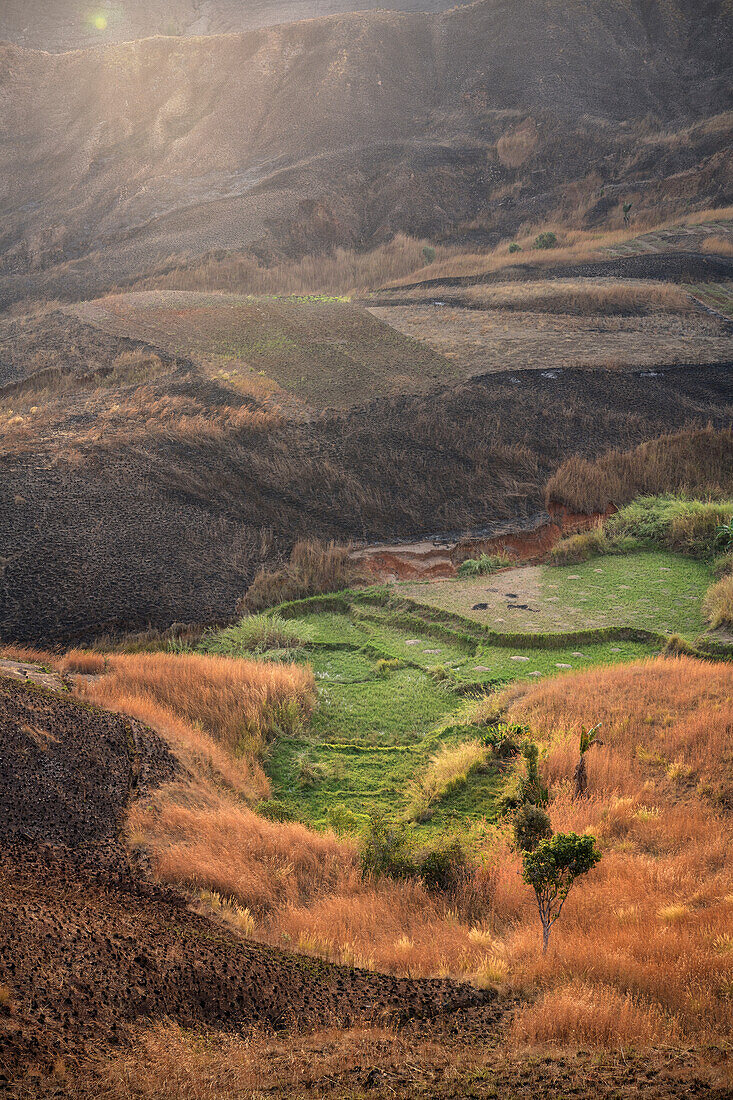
pixel 627 212
pixel 429 254
pixel 587 740
pixel 514 247
pixel 533 789
pixel 552 868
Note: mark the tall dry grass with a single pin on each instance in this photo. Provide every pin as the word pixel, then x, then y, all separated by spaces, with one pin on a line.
pixel 574 246
pixel 718 245
pixel 313 569
pixel 340 272
pixel 718 603
pixel 239 703
pixel 447 769
pixel 697 462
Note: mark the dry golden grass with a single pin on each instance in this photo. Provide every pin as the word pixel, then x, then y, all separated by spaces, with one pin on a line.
pixel 313 568
pixel 580 297
pixel 238 703
pixel 718 604
pixel 574 246
pixel 447 769
pixel 169 1063
pixel 719 246
pixel 341 272
pixel 581 1014
pixel 698 462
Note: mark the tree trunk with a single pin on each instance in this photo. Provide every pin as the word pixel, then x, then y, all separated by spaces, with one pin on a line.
pixel 581 778
pixel 545 937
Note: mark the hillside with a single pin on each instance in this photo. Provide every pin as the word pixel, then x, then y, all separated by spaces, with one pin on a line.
pixel 58 25
pixel 347 129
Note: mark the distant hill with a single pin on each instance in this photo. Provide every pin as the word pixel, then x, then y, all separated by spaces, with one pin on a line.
pixel 347 129
pixel 58 25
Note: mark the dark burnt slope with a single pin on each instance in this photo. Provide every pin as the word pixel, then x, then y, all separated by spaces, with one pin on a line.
pixel 88 948
pixel 162 531
pixel 116 158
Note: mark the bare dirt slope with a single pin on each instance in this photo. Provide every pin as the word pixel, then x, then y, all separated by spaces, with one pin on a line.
pixel 88 947
pixel 347 129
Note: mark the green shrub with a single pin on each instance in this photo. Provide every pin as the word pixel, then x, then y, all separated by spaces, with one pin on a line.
pixel 386 665
pixel 274 810
pixel 486 563
pixel 254 634
pixel 514 247
pixel 580 547
pixel 342 820
pixel 688 526
pixel 387 849
pixel 441 866
pixel 531 826
pixel 546 240
pixel 429 254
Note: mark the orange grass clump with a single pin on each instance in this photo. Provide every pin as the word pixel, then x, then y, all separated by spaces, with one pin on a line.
pixel 239 703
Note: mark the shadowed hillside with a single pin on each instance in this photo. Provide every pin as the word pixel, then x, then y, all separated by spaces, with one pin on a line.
pixel 347 129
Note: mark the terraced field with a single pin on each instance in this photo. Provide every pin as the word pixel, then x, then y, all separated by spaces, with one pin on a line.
pixel 650 590
pixel 324 352
pixel 394 682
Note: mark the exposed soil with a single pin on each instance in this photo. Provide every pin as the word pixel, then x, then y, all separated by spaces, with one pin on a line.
pixel 476 341
pixel 441 557
pixel 88 947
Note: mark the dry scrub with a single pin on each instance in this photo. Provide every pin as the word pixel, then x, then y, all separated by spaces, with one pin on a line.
pixel 718 604
pixel 698 463
pixel 312 570
pixel 341 272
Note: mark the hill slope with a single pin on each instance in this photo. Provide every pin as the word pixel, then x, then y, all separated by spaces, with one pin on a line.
pixel 58 25
pixel 346 129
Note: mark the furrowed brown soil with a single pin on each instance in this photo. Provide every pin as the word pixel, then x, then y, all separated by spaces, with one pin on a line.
pixel 324 352
pixel 478 340
pixel 90 948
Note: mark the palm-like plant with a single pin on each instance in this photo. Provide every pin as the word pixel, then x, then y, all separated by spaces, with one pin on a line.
pixel 724 534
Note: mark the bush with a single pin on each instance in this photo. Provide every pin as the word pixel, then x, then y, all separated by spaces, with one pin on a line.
pixel 581 547
pixel 677 523
pixel 342 820
pixel 429 254
pixel 254 634
pixel 313 570
pixel 442 866
pixel 514 247
pixel 531 825
pixel 387 849
pixel 274 810
pixel 486 563
pixel 546 240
